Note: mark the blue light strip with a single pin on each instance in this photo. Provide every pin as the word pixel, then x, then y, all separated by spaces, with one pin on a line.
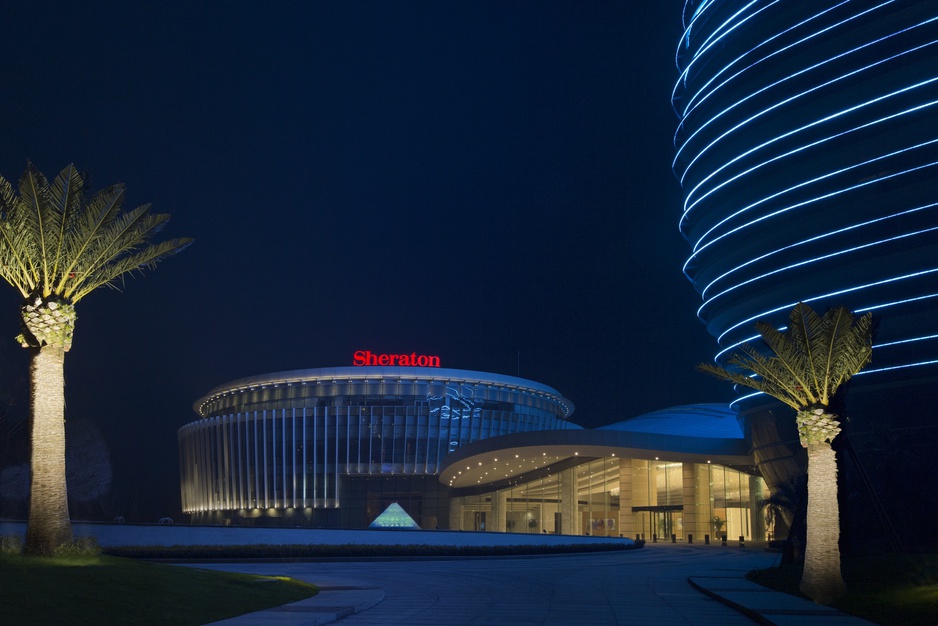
pixel 779 157
pixel 811 125
pixel 727 159
pixel 758 225
pixel 790 99
pixel 813 239
pixel 776 52
pixel 735 403
pixel 689 109
pixel 704 46
pixel 875 346
pixel 901 341
pixel 839 292
pixel 809 261
pixel 705 5
pixel 724 25
pixel 885 305
pixel 812 200
pixel 897 367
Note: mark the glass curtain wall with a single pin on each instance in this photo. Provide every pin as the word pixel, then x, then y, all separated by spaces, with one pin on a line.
pixel 657 499
pixel 282 458
pixel 598 497
pixel 477 511
pixel 730 503
pixel 652 509
pixel 534 507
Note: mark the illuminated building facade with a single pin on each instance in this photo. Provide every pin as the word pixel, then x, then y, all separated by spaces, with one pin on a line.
pixel 461 450
pixel 680 474
pixel 337 445
pixel 807 149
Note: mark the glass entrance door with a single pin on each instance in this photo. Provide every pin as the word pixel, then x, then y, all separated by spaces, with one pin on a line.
pixel 662 522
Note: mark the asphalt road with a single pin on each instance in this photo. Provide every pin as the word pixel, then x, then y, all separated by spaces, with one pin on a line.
pixel 647 586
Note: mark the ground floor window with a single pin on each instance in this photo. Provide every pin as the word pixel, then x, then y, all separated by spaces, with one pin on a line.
pixel 648 499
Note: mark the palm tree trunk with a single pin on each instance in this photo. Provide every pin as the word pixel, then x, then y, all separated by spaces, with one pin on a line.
pixel 822 580
pixel 48 526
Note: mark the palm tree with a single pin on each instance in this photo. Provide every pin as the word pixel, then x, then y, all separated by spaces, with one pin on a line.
pixel 57 245
pixel 811 360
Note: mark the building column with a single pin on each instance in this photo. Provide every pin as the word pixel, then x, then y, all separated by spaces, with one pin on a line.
pixel 569 507
pixel 496 523
pixel 704 501
pixel 627 527
pixel 692 523
pixel 457 511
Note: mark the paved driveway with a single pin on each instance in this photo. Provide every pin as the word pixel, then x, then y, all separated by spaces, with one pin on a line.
pixel 643 587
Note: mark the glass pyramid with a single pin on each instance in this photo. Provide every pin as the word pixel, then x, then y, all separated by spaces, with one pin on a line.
pixel 394 517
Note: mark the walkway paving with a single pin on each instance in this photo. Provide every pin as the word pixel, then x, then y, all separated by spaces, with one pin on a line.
pixel 662 584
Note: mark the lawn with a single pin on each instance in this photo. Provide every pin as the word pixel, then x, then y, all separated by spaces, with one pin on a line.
pixel 103 590
pixel 889 590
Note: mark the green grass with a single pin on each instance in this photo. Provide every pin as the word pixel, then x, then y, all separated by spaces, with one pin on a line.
pixel 890 590
pixel 104 590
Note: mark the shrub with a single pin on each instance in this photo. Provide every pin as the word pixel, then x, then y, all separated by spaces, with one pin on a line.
pixel 11 544
pixel 81 546
pixel 348 551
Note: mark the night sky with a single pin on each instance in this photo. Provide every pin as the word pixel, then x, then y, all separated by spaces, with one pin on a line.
pixel 484 181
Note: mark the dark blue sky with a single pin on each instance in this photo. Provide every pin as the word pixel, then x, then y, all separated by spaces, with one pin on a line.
pixel 476 180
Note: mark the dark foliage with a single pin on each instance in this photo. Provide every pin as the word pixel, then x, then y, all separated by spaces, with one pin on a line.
pixel 348 550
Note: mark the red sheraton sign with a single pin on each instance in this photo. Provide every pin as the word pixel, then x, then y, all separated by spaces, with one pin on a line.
pixel 367 357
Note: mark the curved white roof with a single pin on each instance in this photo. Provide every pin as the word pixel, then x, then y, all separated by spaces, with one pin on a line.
pixel 697 433
pixel 387 374
pixel 712 421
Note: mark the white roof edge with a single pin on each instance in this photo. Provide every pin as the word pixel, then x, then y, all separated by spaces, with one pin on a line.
pixel 379 372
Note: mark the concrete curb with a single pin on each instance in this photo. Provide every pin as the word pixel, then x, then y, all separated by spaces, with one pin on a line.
pixel 768 607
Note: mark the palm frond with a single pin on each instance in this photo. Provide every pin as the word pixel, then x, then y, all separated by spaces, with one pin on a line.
pixel 781 381
pixel 148 257
pixel 791 357
pixel 85 228
pixel 851 346
pixel 65 197
pixel 15 265
pixel 808 362
pixel 54 243
pixel 119 239
pixel 114 235
pixel 804 325
pixel 28 221
pixel 43 219
pixel 765 374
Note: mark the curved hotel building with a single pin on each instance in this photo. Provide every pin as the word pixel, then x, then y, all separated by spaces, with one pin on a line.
pixel 315 440
pixel 807 149
pixel 461 450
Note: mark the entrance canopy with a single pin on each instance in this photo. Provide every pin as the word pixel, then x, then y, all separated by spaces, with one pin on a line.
pixel 707 433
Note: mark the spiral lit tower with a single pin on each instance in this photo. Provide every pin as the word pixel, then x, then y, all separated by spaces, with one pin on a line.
pixel 807 150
